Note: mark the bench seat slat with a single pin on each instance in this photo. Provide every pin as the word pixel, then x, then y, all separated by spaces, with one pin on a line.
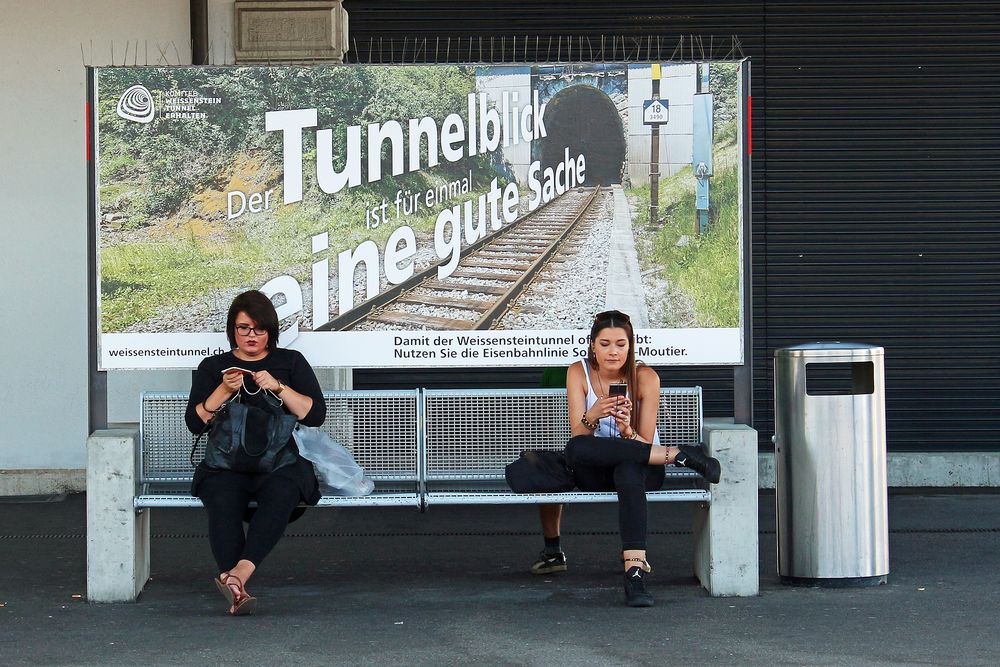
pixel 480 498
pixel 373 500
pixel 672 472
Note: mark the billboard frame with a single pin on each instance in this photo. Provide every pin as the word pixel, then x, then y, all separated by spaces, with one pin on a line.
pixel 742 373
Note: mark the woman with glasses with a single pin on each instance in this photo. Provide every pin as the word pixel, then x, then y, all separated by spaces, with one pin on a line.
pixel 615 444
pixel 258 370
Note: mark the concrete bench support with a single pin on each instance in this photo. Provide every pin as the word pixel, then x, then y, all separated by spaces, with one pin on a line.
pixel 117 536
pixel 726 544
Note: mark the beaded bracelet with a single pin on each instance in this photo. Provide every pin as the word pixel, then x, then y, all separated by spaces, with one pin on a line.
pixel 205 408
pixel 589 424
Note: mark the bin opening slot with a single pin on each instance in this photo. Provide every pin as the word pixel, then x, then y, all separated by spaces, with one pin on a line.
pixel 837 379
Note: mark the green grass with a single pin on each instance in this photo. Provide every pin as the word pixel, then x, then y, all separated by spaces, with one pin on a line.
pixel 707 268
pixel 138 280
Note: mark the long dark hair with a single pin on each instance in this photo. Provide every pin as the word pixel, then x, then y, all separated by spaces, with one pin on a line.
pixel 259 309
pixel 611 319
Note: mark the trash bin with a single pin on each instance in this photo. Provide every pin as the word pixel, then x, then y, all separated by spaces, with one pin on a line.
pixel 830 464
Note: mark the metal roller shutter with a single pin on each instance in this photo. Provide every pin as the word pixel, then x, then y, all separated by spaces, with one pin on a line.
pixel 882 153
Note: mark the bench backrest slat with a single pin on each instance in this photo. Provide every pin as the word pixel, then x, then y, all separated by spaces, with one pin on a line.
pixel 379 427
pixel 479 432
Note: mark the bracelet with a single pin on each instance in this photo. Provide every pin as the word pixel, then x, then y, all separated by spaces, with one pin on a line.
pixel 205 408
pixel 280 388
pixel 634 436
pixel 589 424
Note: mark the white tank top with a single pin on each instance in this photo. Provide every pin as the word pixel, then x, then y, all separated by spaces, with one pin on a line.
pixel 606 426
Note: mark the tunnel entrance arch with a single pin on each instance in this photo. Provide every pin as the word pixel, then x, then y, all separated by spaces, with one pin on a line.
pixel 585 120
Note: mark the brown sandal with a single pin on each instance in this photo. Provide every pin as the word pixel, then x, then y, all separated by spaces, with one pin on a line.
pixel 227 592
pixel 241 603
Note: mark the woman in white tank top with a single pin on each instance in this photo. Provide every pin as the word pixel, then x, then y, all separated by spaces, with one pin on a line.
pixel 615 444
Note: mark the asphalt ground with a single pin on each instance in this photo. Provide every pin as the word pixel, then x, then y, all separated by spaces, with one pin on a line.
pixel 396 587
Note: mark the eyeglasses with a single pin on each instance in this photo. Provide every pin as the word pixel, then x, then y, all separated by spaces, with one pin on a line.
pixel 612 315
pixel 244 330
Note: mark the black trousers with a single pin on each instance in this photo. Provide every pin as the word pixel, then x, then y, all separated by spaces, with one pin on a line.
pixel 616 464
pixel 226 495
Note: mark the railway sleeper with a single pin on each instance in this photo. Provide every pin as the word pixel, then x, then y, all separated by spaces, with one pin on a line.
pixel 493 264
pixel 515 256
pixel 418 320
pixel 544 225
pixel 518 247
pixel 536 234
pixel 484 275
pixel 465 287
pixel 528 310
pixel 446 301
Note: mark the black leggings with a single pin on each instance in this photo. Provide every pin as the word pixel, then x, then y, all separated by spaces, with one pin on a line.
pixel 226 499
pixel 616 464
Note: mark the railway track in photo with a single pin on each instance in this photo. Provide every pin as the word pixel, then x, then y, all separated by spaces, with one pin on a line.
pixel 491 274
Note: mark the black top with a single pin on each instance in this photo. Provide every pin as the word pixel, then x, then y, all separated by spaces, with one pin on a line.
pixel 291 369
pixel 287 366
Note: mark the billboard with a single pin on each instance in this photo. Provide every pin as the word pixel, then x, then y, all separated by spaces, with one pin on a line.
pixel 420 215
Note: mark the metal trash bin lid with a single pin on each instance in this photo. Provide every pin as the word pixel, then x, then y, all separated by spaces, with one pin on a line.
pixel 833 348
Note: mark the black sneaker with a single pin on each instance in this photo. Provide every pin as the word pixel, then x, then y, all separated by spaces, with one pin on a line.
pixel 548 563
pixel 693 457
pixel 636 594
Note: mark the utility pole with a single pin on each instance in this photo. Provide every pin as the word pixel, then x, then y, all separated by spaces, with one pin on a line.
pixel 654 155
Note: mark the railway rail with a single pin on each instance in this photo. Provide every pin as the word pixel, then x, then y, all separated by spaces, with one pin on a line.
pixel 490 275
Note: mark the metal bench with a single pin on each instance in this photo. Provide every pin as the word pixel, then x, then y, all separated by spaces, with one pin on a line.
pixel 421 447
pixel 472 435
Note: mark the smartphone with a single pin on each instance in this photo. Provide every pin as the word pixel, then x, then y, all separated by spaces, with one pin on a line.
pixel 617 389
pixel 232 369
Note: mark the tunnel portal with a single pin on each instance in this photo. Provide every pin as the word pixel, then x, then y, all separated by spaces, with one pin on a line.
pixel 585 120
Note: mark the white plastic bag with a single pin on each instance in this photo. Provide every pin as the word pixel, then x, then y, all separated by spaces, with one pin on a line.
pixel 337 471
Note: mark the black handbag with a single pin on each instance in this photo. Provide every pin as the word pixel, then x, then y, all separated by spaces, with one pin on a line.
pixel 540 471
pixel 249 439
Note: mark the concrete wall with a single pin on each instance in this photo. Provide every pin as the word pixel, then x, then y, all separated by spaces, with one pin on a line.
pixel 677 87
pixel 221 32
pixel 519 83
pixel 44 220
pixel 921 469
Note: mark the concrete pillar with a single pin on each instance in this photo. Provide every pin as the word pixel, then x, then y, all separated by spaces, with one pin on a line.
pixel 726 545
pixel 335 378
pixel 117 537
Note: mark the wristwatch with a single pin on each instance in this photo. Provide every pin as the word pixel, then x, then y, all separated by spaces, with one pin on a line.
pixel 280 388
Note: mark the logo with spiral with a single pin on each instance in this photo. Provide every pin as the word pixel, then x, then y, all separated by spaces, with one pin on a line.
pixel 136 104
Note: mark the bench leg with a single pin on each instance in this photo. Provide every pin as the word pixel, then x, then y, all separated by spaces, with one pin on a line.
pixel 117 537
pixel 726 544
